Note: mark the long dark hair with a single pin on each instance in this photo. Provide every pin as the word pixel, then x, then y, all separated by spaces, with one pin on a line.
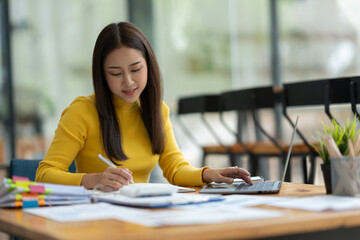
pixel 114 36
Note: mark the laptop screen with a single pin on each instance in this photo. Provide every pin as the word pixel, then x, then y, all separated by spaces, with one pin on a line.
pixel 290 147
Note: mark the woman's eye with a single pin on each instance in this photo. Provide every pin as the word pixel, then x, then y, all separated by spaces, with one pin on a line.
pixel 136 70
pixel 115 74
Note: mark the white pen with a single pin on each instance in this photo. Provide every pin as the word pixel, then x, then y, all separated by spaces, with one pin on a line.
pixel 109 163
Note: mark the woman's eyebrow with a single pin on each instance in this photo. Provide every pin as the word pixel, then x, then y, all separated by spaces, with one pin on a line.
pixel 117 67
pixel 135 63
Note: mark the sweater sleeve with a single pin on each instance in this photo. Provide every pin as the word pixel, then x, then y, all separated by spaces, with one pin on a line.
pixel 175 168
pixel 69 139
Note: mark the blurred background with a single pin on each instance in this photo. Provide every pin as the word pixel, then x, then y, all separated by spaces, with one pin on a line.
pixel 202 47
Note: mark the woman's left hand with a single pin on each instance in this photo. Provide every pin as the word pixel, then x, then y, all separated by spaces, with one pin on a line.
pixel 225 175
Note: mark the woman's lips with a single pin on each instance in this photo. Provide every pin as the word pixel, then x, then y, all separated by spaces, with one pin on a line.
pixel 130 92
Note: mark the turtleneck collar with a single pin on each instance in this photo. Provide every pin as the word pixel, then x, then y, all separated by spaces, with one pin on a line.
pixel 121 104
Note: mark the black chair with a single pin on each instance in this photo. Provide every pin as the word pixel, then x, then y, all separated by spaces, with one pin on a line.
pixel 337 92
pixel 325 92
pixel 244 101
pixel 201 105
pixel 27 168
pixel 355 95
pixel 229 102
pixel 253 100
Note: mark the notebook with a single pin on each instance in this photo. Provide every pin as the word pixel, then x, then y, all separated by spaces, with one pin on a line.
pixel 257 187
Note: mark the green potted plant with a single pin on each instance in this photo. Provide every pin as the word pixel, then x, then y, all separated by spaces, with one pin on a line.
pixel 341 136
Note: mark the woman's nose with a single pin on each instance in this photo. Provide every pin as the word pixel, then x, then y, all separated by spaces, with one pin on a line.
pixel 128 79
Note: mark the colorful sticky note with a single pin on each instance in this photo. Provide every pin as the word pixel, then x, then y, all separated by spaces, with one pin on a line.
pixel 29 196
pixel 22 183
pixel 41 202
pixel 41 196
pixel 18 204
pixel 19 178
pixel 37 188
pixel 18 196
pixel 12 186
pixel 31 203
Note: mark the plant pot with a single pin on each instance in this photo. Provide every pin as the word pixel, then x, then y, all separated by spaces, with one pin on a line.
pixel 326 170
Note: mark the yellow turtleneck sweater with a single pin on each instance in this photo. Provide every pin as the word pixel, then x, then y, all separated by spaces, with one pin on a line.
pixel 78 137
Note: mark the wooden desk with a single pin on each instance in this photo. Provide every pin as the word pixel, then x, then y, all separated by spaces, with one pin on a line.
pixel 294 225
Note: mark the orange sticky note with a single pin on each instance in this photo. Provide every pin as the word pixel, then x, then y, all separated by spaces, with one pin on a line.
pixel 41 202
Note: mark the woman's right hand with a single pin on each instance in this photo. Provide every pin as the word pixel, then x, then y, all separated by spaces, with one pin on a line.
pixel 111 179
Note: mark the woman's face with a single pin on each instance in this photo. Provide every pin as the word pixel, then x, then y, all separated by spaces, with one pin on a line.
pixel 126 73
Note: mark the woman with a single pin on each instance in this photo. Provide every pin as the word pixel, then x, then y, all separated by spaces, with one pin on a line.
pixel 125 120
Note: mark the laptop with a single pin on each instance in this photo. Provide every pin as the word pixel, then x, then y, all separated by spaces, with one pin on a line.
pixel 257 187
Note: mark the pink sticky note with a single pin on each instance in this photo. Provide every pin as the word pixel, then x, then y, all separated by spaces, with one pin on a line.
pixel 37 188
pixel 19 178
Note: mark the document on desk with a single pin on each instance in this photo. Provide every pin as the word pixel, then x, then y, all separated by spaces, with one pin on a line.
pixel 238 201
pixel 158 201
pixel 85 212
pixel 174 217
pixel 145 217
pixel 320 203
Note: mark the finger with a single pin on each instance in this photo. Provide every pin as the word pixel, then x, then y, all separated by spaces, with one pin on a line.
pixel 121 180
pixel 243 171
pixel 223 179
pixel 235 172
pixel 118 178
pixel 114 185
pixel 247 179
pixel 227 180
pixel 106 188
pixel 109 189
pixel 129 172
pixel 112 178
pixel 121 173
pixel 126 169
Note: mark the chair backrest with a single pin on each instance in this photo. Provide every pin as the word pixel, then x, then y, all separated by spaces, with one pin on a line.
pixel 198 104
pixel 250 100
pixel 27 168
pixel 339 90
pixel 236 100
pixel 317 93
pixel 264 97
pixel 309 93
pixel 247 99
pixel 355 94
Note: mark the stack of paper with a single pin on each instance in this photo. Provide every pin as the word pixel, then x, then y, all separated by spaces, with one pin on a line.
pixel 20 192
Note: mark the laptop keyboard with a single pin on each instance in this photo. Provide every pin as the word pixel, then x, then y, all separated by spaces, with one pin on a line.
pixel 258 186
